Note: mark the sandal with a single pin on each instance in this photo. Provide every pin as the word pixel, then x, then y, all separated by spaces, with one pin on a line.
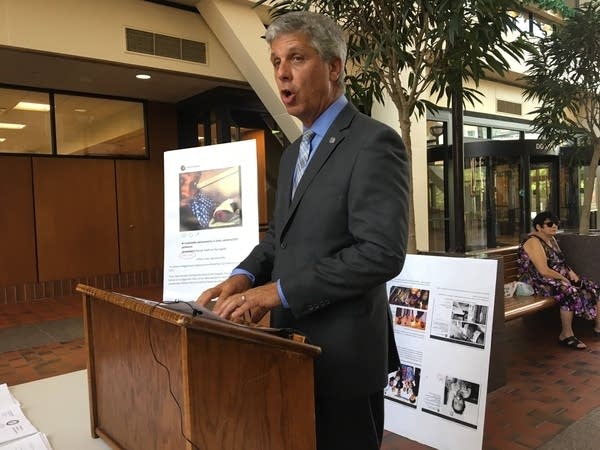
pixel 572 342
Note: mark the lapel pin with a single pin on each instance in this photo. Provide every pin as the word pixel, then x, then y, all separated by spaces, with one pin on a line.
pixel 331 140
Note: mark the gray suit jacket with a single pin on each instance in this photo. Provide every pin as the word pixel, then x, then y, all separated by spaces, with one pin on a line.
pixel 334 247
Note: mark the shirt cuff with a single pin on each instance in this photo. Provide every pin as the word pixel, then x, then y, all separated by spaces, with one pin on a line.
pixel 243 272
pixel 284 302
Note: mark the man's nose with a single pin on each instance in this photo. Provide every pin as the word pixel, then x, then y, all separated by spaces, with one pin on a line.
pixel 283 71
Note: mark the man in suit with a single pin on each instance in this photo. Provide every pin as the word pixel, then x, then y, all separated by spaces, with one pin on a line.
pixel 335 238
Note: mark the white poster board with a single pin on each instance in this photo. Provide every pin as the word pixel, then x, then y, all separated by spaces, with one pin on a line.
pixel 443 309
pixel 211 215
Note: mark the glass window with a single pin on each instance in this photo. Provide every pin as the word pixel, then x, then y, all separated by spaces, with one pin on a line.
pixel 201 136
pixel 499 134
pixel 435 133
pixel 583 170
pixel 540 28
pixel 25 122
pixel 91 126
pixel 214 138
pixel 474 133
pixel 522 21
pixel 531 135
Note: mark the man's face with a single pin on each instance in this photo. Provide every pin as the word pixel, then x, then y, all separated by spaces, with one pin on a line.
pixel 307 84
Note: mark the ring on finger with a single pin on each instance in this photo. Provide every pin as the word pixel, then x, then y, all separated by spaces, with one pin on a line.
pixel 243 298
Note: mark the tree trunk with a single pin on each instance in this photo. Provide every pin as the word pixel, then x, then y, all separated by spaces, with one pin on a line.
pixel 411 243
pixel 588 189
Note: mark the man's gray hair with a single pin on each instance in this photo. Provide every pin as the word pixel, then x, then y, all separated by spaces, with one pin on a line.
pixel 325 34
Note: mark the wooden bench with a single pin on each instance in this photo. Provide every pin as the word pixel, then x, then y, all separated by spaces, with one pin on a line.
pixel 515 307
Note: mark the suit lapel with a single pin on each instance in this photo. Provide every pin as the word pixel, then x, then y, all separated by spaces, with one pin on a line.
pixel 330 142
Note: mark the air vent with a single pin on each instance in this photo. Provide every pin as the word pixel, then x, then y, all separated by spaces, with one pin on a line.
pixel 166 46
pixel 508 107
pixel 193 51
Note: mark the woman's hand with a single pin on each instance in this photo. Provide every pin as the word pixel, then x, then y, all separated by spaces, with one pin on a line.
pixel 565 280
pixel 573 277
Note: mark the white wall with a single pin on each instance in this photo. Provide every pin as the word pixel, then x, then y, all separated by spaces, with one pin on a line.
pixel 240 29
pixel 388 114
pixel 96 29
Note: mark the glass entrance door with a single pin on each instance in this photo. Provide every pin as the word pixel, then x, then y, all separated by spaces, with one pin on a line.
pixel 476 202
pixel 437 214
pixel 493 202
pixel 508 198
pixel 541 188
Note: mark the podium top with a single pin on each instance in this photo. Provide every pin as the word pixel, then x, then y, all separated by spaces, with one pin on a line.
pixel 193 316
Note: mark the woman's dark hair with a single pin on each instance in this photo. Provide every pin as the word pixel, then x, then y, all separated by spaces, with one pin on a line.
pixel 542 217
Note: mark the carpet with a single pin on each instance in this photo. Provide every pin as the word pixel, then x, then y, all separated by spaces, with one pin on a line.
pixel 28 336
pixel 581 435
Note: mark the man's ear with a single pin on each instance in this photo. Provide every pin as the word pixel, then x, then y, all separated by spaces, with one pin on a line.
pixel 335 69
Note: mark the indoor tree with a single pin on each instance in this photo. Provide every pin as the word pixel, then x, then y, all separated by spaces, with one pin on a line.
pixel 563 75
pixel 413 50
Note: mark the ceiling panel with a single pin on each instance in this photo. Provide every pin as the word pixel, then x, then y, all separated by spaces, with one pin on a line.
pixel 57 72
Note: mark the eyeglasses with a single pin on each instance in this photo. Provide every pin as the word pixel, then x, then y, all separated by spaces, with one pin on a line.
pixel 550 223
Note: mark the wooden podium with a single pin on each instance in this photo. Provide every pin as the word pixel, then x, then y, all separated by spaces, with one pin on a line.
pixel 164 379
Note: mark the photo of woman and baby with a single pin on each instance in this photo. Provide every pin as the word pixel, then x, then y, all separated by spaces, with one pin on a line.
pixel 210 199
pixel 461 400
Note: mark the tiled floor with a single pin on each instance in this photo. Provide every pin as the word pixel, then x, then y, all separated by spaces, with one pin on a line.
pixel 549 387
pixel 26 363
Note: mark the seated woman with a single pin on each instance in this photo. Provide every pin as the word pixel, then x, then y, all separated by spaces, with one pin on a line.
pixel 543 266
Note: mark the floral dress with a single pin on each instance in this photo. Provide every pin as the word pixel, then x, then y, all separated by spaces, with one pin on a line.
pixel 581 297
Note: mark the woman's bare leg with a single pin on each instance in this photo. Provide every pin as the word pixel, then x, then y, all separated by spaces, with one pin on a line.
pixel 566 320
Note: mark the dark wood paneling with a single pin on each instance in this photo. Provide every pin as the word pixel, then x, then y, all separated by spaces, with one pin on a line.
pixel 17 257
pixel 140 194
pixel 76 222
pixel 140 207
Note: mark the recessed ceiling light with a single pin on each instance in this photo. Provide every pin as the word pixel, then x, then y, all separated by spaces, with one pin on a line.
pixel 143 76
pixel 12 126
pixel 30 106
pixel 80 110
pixel 2 139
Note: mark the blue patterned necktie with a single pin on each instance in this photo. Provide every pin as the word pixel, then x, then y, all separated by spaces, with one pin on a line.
pixel 302 161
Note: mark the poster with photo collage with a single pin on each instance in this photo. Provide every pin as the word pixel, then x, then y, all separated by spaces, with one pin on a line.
pixel 442 309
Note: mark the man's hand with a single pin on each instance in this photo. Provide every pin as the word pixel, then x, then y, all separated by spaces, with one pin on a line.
pixel 232 285
pixel 257 302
